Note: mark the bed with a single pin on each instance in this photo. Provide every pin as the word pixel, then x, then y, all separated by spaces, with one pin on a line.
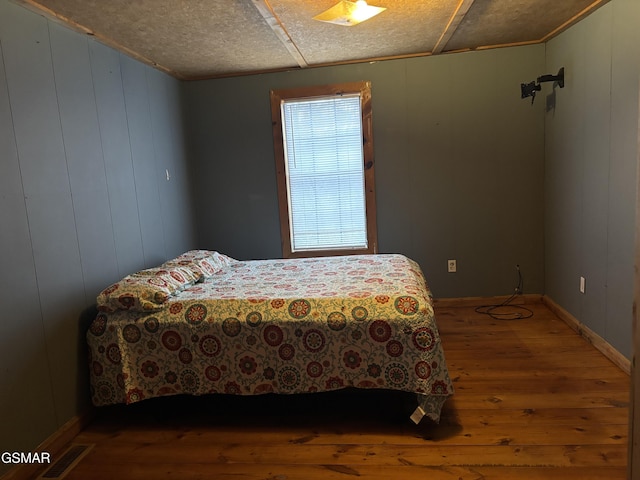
pixel 204 323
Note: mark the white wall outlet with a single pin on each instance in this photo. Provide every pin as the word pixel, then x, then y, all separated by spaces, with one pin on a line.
pixel 582 284
pixel 451 266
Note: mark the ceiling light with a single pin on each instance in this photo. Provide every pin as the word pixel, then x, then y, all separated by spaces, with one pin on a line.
pixel 349 13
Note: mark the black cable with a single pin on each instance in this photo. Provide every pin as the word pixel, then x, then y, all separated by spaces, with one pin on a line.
pixel 514 312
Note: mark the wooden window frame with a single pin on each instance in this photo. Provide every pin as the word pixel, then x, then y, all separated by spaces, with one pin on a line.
pixel 364 90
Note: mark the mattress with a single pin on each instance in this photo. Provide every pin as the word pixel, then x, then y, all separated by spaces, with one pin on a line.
pixel 278 326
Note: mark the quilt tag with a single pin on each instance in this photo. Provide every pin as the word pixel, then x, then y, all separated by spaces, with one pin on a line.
pixel 417 415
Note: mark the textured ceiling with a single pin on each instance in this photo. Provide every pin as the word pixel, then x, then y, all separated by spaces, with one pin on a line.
pixel 193 39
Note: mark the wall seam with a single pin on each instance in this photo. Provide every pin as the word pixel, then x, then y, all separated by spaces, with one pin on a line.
pixel 610 151
pixel 104 166
pixel 133 163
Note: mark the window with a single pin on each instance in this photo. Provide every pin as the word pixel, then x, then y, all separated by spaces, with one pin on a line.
pixel 324 159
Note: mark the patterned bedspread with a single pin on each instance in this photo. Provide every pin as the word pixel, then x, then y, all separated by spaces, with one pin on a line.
pixel 281 326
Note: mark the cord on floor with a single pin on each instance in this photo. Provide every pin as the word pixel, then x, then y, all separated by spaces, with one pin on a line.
pixel 505 310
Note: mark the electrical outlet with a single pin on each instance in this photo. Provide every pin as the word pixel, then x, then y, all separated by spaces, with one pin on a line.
pixel 451 266
pixel 582 284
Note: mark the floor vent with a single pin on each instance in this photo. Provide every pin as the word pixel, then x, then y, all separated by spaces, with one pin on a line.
pixel 67 461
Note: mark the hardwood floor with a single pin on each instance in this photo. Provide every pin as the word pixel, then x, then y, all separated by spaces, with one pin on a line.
pixel 533 401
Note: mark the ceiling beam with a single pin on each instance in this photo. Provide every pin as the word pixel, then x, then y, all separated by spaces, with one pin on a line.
pixel 452 26
pixel 276 25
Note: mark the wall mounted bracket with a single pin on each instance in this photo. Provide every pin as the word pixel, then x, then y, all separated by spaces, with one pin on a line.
pixel 530 89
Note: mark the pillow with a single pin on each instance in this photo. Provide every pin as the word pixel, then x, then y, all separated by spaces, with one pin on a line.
pixel 145 291
pixel 223 260
pixel 202 263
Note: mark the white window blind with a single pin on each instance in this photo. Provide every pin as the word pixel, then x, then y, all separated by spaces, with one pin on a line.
pixel 325 175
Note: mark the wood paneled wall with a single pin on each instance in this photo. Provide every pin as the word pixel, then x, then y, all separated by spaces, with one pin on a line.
pixel 590 170
pixel 458 156
pixel 86 138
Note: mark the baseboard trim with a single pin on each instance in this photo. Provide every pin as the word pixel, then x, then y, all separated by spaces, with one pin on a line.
pixel 54 444
pixel 465 302
pixel 593 338
pixel 589 335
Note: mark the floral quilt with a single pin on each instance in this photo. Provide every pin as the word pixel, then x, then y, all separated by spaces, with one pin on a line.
pixel 278 326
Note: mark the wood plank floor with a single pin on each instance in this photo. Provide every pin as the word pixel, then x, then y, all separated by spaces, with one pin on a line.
pixel 533 401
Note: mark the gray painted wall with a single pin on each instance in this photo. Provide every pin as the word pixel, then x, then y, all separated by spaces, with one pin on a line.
pixel 85 137
pixel 459 164
pixel 590 170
